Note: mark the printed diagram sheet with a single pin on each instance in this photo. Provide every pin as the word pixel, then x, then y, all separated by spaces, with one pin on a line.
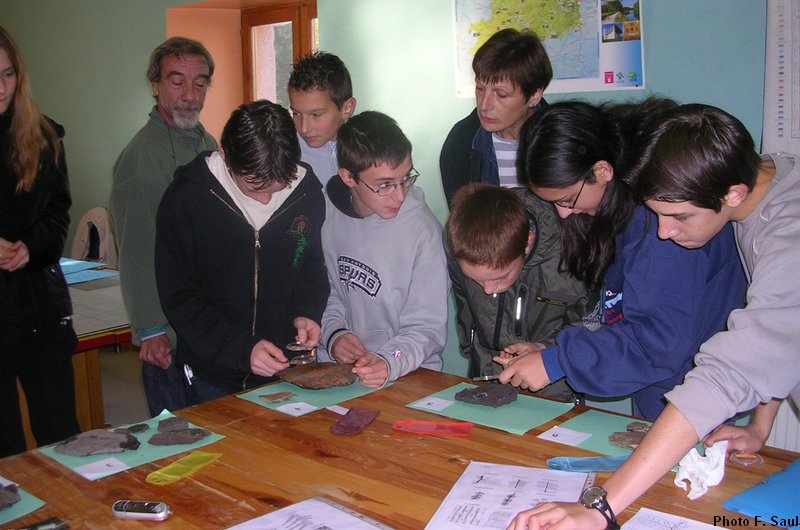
pixel 647 519
pixel 312 514
pixel 488 496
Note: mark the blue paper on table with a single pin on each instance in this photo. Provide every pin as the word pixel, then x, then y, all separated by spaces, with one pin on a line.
pixel 601 425
pixel 517 417
pixel 310 399
pixel 586 463
pixel 88 276
pixel 78 271
pixel 71 266
pixel 98 466
pixel 774 501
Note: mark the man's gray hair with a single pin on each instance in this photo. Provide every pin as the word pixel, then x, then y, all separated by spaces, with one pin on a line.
pixel 177 46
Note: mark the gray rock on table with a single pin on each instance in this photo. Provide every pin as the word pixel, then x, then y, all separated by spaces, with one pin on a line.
pixel 489 395
pixel 132 429
pixel 97 442
pixel 174 423
pixel 178 437
pixel 9 495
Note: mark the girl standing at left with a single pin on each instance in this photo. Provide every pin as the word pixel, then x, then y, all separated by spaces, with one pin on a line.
pixel 36 335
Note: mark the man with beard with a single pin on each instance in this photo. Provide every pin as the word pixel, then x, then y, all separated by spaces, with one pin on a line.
pixel 179 72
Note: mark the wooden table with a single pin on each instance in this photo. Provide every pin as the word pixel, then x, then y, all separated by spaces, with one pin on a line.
pixel 270 460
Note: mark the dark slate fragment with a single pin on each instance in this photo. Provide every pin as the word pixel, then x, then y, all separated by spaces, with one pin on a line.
pixel 182 437
pixel 489 395
pixel 132 429
pixel 9 495
pixel 627 439
pixel 174 423
pixel 355 421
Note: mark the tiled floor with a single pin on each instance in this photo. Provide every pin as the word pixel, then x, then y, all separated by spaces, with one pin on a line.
pixel 123 395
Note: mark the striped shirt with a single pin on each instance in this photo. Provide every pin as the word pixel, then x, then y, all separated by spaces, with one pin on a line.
pixel 506 153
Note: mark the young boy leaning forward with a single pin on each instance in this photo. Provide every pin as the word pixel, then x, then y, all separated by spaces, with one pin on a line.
pixel 505 247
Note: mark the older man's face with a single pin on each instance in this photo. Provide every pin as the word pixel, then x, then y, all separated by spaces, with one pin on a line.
pixel 181 90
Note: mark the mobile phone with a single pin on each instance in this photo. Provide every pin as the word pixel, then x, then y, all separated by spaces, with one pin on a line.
pixel 147 510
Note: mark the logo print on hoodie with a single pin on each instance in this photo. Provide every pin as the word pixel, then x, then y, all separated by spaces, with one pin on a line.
pixel 353 273
pixel 613 306
pixel 301 226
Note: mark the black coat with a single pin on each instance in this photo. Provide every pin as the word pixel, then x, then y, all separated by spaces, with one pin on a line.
pixel 36 294
pixel 462 162
pixel 223 286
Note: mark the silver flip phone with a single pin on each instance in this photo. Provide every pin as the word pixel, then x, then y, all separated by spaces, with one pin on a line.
pixel 149 511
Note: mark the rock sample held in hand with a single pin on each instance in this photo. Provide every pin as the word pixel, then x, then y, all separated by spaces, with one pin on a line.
pixel 319 375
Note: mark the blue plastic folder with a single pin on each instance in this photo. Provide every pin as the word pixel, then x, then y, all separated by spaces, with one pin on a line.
pixel 773 501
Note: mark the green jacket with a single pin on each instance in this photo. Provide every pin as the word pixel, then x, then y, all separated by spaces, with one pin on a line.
pixel 549 300
pixel 142 172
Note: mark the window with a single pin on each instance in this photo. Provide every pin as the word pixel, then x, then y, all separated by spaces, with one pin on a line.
pixel 273 38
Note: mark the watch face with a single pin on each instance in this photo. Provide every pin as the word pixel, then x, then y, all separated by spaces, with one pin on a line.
pixel 591 496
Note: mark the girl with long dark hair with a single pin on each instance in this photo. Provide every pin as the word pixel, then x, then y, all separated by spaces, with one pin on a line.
pixel 658 301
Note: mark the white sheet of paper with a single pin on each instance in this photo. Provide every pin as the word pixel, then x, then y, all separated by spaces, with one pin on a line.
pixel 5 482
pixel 433 403
pixel 338 409
pixel 310 514
pixel 488 496
pixel 647 519
pixel 102 468
pixel 564 436
pixel 297 409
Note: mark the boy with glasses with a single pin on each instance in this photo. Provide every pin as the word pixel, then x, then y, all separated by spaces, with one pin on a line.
pixel 387 311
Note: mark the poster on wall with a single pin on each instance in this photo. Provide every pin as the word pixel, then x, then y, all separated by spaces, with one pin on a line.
pixel 593 45
pixel 782 78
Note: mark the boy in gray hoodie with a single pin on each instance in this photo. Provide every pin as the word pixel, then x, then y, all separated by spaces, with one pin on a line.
pixel 387 311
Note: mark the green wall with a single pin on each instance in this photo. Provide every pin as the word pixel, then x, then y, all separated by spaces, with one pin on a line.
pixel 401 57
pixel 87 60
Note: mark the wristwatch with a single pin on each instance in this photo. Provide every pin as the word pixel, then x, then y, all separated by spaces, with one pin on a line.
pixel 595 497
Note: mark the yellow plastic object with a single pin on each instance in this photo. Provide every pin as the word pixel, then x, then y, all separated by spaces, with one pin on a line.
pixel 184 467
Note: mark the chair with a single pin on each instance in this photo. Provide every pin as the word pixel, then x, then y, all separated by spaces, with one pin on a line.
pixel 94 240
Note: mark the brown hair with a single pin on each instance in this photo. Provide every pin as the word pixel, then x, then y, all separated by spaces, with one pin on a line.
pixel 370 139
pixel 488 225
pixel 31 137
pixel 516 56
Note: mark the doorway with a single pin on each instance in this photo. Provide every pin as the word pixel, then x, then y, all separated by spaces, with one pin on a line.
pixel 224 26
pixel 273 39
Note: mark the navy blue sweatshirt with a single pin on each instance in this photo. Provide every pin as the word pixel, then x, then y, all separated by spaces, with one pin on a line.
pixel 660 302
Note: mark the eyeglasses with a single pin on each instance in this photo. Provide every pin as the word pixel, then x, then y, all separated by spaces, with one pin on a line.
pixel 574 202
pixel 386 188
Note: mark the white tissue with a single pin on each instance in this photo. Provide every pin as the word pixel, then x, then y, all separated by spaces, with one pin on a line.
pixel 702 471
